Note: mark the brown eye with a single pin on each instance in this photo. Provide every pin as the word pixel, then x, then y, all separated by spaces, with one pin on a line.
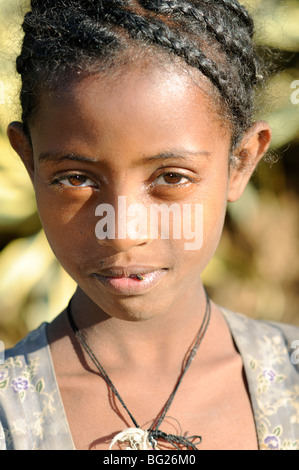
pixel 172 178
pixel 77 180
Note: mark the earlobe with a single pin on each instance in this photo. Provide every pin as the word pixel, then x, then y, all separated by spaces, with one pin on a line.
pixel 20 142
pixel 253 147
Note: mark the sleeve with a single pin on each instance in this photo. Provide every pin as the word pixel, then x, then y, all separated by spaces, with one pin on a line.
pixel 2 438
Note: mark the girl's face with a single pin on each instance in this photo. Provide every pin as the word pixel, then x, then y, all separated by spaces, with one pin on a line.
pixel 151 137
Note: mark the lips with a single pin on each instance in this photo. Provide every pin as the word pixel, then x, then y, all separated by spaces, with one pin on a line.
pixel 126 271
pixel 129 280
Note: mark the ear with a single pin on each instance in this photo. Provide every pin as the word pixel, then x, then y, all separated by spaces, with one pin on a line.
pixel 20 142
pixel 247 155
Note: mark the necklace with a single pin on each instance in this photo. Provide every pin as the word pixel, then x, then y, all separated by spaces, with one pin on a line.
pixel 138 438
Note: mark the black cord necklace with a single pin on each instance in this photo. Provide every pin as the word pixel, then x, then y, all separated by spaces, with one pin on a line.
pixel 137 437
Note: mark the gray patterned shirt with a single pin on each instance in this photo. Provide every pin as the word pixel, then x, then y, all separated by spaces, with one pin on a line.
pixel 32 416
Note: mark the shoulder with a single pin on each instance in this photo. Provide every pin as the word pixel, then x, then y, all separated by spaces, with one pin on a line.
pixel 22 364
pixel 21 376
pixel 29 396
pixel 260 335
pixel 270 354
pixel 24 360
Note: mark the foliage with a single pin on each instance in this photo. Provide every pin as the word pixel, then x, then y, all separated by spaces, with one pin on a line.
pixel 255 269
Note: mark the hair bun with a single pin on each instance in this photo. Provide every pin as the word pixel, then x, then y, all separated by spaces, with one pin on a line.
pixel 43 5
pixel 76 35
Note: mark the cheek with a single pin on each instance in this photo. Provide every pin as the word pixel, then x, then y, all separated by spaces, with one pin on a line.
pixel 69 227
pixel 213 221
pixel 200 237
pixel 204 229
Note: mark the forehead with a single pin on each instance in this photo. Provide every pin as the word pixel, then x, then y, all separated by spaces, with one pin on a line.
pixel 154 103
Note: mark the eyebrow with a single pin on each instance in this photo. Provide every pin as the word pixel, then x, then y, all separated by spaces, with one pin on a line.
pixel 177 154
pixel 174 154
pixel 57 157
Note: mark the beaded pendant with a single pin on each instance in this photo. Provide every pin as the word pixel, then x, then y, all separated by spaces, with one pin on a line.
pixel 137 438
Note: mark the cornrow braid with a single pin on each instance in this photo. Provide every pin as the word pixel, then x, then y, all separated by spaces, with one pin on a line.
pixel 214 37
pixel 242 13
pixel 237 44
pixel 158 32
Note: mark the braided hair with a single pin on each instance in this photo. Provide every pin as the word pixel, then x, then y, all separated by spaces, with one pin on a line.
pixel 71 37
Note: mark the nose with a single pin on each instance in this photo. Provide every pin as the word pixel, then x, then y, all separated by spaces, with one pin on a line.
pixel 123 225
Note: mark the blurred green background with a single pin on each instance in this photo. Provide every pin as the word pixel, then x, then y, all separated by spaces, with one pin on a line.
pixel 256 268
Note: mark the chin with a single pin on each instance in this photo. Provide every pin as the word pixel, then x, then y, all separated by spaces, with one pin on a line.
pixel 134 309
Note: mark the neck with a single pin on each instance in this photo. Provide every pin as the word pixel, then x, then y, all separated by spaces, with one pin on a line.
pixel 168 335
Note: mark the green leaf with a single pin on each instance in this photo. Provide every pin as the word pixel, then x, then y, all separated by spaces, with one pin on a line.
pixel 40 386
pixel 277 431
pixel 3 384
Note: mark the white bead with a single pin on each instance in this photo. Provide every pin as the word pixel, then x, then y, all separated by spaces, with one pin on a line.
pixel 136 437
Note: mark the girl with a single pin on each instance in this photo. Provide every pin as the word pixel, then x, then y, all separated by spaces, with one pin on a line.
pixel 150 103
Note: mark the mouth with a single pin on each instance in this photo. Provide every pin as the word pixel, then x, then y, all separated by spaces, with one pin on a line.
pixel 129 280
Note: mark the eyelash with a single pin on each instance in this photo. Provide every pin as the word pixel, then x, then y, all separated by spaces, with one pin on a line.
pixel 59 180
pixel 176 175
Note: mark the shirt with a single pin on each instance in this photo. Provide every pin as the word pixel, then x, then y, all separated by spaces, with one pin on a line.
pixel 32 416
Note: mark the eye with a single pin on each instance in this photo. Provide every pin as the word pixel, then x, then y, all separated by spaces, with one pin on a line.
pixel 172 179
pixel 75 181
